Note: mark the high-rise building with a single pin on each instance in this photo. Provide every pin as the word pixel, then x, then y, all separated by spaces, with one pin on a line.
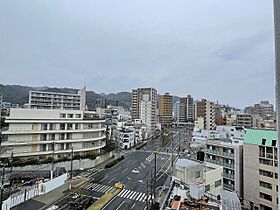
pixel 176 112
pixel 165 109
pixel 144 105
pixel 42 132
pixel 1 101
pixel 187 109
pixel 206 110
pixel 53 100
pixel 260 169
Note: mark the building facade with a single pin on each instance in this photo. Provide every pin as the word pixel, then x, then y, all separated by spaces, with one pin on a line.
pixel 144 105
pixel 194 172
pixel 53 100
pixel 126 140
pixel 206 110
pixel 165 109
pixel 42 132
pixel 260 169
pixel 227 153
pixel 187 109
pixel 244 120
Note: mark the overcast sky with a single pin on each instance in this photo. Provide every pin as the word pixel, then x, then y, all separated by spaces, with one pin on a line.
pixel 216 49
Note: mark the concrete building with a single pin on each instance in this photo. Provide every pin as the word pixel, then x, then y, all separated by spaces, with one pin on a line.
pixel 165 109
pixel 1 101
pixel 187 109
pixel 264 109
pixel 144 105
pixel 206 109
pixel 53 100
pixel 227 153
pixel 260 169
pixel 176 111
pixel 194 172
pixel 42 132
pixel 126 138
pixel 245 120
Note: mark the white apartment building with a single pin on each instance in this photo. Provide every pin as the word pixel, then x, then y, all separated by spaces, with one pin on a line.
pixel 146 112
pixel 53 100
pixel 176 111
pixel 42 132
pixel 126 139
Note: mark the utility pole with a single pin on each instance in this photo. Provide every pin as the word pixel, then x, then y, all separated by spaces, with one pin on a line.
pixel 2 187
pixel 11 169
pixel 172 156
pixel 52 161
pixel 72 154
pixel 155 176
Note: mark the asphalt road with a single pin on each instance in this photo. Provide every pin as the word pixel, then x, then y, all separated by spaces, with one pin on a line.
pixel 133 172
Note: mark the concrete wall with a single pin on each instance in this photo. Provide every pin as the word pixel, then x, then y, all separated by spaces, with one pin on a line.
pixel 77 164
pixel 211 177
pixel 30 192
pixel 251 174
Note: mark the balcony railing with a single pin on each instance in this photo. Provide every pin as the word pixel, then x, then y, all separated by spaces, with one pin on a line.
pixel 217 162
pixel 219 153
pixel 228 187
pixel 230 176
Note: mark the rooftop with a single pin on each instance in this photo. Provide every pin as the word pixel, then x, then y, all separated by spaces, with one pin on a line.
pixel 256 136
pixel 186 163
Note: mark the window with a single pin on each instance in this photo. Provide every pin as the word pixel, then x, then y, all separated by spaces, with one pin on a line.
pixel 51 126
pixel 266 196
pixel 266 173
pixel 69 126
pixel 273 143
pixel 44 126
pixel 276 175
pixel 76 126
pixel 197 174
pixel 43 137
pixel 69 136
pixel 218 183
pixel 266 162
pixel 52 137
pixel 62 115
pixel 62 136
pixel 70 115
pixel 266 185
pixel 207 188
pixel 78 115
pixel 61 146
pixel 263 141
pixel 62 126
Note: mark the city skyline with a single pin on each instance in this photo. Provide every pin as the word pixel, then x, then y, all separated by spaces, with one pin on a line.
pixel 196 50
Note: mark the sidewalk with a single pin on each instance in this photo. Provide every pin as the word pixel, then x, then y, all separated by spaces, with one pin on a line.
pixel 41 201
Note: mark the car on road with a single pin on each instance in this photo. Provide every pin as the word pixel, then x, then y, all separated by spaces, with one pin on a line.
pixel 118 185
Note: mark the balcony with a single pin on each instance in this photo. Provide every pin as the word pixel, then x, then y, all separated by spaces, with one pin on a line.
pixel 230 176
pixel 229 187
pixel 219 153
pixel 221 163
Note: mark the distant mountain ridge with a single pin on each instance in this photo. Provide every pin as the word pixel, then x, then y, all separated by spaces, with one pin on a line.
pixel 18 94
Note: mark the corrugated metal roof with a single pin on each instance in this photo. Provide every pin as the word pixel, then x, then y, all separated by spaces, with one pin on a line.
pixel 256 136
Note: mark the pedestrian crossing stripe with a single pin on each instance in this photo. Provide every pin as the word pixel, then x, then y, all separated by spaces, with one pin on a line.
pixel 150 158
pixel 133 195
pixel 99 188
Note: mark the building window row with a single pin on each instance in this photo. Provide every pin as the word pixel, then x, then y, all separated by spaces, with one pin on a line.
pixel 268 174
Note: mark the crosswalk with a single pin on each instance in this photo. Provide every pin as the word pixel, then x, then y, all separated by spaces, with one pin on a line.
pixel 99 188
pixel 133 195
pixel 150 158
